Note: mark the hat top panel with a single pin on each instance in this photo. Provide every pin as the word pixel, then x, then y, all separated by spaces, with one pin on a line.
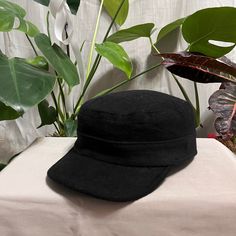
pixel 133 102
pixel 137 115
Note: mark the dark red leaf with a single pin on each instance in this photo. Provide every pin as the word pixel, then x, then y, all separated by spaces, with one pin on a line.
pixel 223 104
pixel 200 68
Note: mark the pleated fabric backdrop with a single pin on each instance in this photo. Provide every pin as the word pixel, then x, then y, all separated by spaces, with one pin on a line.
pixel 17 135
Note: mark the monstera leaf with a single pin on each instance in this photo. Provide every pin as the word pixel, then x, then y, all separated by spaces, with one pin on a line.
pixel 200 68
pixel 223 104
pixel 10 13
pixel 206 26
pixel 73 4
pixel 22 85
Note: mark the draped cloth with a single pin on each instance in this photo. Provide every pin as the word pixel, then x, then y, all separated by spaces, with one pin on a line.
pixel 199 200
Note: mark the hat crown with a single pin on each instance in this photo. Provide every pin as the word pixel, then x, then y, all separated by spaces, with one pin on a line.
pixel 137 115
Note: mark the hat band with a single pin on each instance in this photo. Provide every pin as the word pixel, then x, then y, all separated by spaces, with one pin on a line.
pixel 160 153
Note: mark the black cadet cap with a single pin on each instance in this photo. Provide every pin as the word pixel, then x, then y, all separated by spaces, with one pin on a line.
pixel 127 144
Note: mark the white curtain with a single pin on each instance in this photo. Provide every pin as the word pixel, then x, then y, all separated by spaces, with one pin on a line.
pixel 15 136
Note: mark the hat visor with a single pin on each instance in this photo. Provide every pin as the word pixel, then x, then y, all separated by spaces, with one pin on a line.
pixel 104 180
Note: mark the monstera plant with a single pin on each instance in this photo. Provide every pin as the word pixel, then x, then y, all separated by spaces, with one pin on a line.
pixel 31 80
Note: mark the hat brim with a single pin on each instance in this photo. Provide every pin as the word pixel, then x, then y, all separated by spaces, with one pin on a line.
pixel 104 180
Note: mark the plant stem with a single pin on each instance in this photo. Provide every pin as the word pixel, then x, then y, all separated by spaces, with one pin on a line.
pixel 57 129
pixel 127 81
pixel 182 90
pixel 120 84
pixel 153 46
pixel 197 105
pixel 48 25
pixel 94 39
pixel 59 112
pixel 197 109
pixel 32 45
pixel 62 116
pixel 113 20
pixel 96 62
pixel 62 97
pixel 57 107
pixel 67 46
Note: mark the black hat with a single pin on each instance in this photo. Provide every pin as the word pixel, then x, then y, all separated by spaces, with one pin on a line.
pixel 127 144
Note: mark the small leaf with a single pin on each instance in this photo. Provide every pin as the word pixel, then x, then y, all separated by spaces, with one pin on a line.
pixel 58 60
pixel 116 55
pixel 39 62
pixel 70 128
pixel 223 104
pixel 73 4
pixel 2 166
pixel 23 85
pixel 48 114
pixel 7 21
pixel 169 28
pixel 135 32
pixel 112 6
pixel 216 24
pixel 199 68
pixel 43 2
pixel 9 12
pixel 32 30
pixel 7 113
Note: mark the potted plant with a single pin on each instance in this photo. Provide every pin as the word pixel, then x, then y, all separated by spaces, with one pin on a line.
pixel 53 72
pixel 30 80
pixel 204 62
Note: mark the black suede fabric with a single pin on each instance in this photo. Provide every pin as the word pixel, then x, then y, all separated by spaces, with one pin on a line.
pixel 127 143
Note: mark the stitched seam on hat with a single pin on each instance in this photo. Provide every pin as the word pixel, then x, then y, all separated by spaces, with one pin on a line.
pixel 126 115
pixel 117 164
pixel 185 158
pixel 135 143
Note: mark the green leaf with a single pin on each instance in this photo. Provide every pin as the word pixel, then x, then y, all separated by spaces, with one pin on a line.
pixel 73 4
pixel 7 113
pixel 116 55
pixel 39 62
pixel 135 32
pixel 9 12
pixel 169 28
pixel 43 2
pixel 7 21
pixel 58 60
pixel 216 24
pixel 70 128
pixel 112 6
pixel 2 166
pixel 32 30
pixel 23 85
pixel 48 114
